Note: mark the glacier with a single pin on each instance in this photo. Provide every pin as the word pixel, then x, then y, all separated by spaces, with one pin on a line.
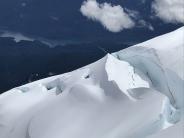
pixel 137 92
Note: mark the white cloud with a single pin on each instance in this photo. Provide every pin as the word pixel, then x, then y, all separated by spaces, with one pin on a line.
pixel 169 10
pixel 114 18
pixel 144 24
pixel 17 36
pixel 133 14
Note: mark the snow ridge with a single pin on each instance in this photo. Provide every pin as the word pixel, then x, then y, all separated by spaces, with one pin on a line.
pixel 133 93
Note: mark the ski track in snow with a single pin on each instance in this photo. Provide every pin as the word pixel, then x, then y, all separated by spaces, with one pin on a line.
pixel 134 93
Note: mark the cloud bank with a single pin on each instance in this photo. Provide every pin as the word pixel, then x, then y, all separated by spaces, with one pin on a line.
pixel 113 18
pixel 169 10
pixel 17 36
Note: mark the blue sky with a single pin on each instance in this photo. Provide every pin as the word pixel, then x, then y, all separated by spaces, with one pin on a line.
pixel 121 21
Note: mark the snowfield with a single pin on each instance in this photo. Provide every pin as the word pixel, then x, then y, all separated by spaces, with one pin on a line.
pixel 134 93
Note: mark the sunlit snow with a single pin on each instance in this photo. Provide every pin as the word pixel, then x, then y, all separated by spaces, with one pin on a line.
pixel 134 93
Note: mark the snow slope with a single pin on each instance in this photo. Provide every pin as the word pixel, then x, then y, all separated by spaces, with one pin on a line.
pixel 163 56
pixel 134 93
pixel 175 131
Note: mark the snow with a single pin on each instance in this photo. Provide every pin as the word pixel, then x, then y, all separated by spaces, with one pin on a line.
pixel 116 67
pixel 162 56
pixel 175 131
pixel 133 93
